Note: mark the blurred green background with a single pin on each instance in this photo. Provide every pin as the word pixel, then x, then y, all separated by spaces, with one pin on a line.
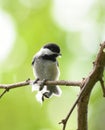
pixel 25 26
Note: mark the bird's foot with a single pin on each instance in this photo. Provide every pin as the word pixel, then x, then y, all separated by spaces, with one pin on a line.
pixel 36 81
pixel 45 95
pixel 41 84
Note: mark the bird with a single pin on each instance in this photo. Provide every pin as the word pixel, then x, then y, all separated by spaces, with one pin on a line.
pixel 46 67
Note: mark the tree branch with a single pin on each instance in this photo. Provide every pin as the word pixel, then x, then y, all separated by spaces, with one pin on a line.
pixel 7 87
pixel 94 76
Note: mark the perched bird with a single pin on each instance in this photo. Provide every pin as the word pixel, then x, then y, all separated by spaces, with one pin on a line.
pixel 45 67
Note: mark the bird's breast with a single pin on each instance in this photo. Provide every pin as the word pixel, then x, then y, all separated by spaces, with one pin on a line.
pixel 45 69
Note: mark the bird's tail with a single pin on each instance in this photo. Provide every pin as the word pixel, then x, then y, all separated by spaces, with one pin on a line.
pixel 46 92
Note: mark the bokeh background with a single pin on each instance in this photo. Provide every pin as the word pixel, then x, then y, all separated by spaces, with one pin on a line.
pixel 25 26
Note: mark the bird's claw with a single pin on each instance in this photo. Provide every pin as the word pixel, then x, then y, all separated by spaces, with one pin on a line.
pixel 41 84
pixel 45 95
pixel 36 81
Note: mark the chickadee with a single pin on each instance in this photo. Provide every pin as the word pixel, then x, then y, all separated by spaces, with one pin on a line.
pixel 45 67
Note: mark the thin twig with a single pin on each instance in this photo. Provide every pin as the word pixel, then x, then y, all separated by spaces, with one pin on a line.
pixel 6 90
pixel 3 93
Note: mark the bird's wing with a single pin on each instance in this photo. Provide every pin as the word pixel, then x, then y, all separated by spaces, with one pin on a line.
pixel 33 61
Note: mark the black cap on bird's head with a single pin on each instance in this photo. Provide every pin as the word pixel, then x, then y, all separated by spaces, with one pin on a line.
pixel 53 47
